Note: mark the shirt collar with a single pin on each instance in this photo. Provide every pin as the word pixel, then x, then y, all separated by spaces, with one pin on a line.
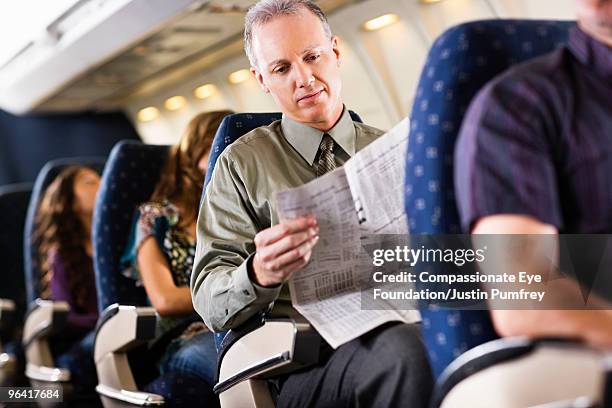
pixel 593 54
pixel 306 140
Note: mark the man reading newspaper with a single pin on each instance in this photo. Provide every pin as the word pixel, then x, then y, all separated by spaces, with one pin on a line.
pixel 246 254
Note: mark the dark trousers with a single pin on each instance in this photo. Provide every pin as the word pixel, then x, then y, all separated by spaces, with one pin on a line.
pixel 386 367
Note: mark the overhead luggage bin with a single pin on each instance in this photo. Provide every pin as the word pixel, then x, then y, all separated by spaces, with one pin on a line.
pixel 88 33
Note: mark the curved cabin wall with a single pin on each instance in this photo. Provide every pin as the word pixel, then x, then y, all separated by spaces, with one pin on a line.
pixel 380 68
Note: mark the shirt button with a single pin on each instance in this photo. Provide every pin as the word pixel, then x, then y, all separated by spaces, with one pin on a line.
pixel 246 292
pixel 226 312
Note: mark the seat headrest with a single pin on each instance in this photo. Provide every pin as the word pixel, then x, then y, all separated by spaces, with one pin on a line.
pixel 129 178
pixel 460 62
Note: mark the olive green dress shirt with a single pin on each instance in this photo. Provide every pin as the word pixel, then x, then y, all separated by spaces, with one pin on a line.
pixel 239 202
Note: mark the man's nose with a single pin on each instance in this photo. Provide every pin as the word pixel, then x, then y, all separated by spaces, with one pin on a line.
pixel 304 76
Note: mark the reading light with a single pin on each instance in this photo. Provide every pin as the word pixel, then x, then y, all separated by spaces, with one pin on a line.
pixel 239 76
pixel 148 114
pixel 380 22
pixel 205 91
pixel 175 103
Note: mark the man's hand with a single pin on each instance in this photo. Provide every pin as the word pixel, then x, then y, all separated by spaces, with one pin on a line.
pixel 283 249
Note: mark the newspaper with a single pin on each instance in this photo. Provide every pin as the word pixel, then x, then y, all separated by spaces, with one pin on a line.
pixel 351 203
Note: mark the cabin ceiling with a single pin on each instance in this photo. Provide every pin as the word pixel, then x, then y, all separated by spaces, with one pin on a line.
pixel 190 43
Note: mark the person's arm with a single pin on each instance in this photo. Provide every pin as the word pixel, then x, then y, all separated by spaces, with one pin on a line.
pixel 60 291
pixel 228 285
pixel 592 326
pixel 506 182
pixel 165 296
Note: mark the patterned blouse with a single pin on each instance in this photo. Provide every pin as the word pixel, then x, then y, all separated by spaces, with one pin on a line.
pixel 160 221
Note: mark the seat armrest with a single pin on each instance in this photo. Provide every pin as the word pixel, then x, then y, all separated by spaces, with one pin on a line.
pixel 522 372
pixel 131 397
pixel 8 362
pixel 233 335
pixel 281 310
pixel 7 307
pixel 120 329
pixel 7 312
pixel 8 369
pixel 44 318
pixel 264 348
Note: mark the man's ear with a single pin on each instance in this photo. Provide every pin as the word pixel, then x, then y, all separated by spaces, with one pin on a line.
pixel 259 79
pixel 336 49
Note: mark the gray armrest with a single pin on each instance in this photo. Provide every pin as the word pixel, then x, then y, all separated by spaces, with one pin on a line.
pixel 119 329
pixel 278 346
pixel 8 368
pixel 44 318
pixel 523 372
pixel 8 362
pixel 7 310
pixel 6 307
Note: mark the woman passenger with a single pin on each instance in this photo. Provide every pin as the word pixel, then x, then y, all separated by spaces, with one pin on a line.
pixel 63 231
pixel 162 253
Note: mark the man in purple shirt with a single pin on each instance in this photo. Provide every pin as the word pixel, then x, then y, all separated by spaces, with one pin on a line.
pixel 535 157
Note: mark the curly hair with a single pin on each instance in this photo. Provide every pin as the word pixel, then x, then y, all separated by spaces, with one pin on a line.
pixel 60 233
pixel 181 180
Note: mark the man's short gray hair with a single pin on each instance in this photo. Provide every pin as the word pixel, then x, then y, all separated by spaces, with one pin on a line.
pixel 266 10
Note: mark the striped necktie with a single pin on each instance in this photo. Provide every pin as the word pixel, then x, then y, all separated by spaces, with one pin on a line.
pixel 326 162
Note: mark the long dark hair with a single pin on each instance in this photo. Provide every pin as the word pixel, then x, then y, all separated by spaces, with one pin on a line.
pixel 181 180
pixel 61 233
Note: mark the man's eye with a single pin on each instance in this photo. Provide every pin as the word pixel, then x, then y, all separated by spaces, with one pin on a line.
pixel 314 57
pixel 281 70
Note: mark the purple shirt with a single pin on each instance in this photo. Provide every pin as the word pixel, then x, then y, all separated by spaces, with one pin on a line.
pixel 79 318
pixel 537 141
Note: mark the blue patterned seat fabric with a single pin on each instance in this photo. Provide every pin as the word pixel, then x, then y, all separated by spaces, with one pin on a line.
pixel 129 178
pixel 45 177
pixel 460 62
pixel 14 199
pixel 231 128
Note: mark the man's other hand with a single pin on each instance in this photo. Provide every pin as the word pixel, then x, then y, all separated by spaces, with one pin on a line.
pixel 283 249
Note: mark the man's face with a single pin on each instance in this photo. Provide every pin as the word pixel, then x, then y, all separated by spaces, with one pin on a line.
pixel 298 64
pixel 595 17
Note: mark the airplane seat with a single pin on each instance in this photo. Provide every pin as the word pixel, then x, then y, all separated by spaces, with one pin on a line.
pixel 14 199
pixel 266 345
pixel 127 321
pixel 44 318
pixel 123 361
pixel 465 353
